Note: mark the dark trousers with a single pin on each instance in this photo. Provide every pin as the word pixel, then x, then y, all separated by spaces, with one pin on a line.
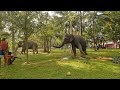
pixel 12 60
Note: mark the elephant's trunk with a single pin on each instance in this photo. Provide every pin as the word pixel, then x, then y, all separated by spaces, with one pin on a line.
pixel 59 46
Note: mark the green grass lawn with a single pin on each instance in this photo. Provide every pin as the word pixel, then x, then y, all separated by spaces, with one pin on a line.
pixel 52 66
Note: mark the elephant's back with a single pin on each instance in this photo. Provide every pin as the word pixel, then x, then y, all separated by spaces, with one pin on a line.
pixel 32 43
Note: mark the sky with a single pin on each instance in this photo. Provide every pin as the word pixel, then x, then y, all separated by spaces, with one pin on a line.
pixel 51 13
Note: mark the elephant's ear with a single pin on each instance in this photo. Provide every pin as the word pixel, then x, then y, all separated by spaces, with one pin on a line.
pixel 21 43
pixel 71 38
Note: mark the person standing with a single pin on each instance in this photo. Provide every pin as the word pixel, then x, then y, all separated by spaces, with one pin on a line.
pixel 4 47
pixel 1 52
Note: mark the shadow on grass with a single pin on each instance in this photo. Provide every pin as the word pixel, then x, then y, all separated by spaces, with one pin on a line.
pixel 52 66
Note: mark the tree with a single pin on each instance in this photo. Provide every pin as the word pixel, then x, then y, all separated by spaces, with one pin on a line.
pixel 112 25
pixel 25 23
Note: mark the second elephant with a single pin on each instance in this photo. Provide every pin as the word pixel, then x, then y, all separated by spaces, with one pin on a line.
pixel 31 45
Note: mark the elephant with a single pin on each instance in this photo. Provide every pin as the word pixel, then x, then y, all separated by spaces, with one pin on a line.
pixel 76 42
pixel 31 45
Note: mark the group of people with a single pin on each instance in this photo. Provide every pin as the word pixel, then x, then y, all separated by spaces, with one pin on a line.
pixel 4 53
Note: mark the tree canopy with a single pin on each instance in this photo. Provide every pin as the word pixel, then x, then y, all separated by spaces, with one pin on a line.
pixel 47 29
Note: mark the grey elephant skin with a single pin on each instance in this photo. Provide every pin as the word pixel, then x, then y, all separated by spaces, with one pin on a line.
pixel 76 42
pixel 31 45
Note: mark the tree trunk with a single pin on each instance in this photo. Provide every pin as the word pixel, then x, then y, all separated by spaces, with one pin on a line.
pixel 13 42
pixel 71 30
pixel 50 43
pixel 103 44
pixel 26 34
pixel 81 28
pixel 44 44
pixel 94 41
pixel 65 30
pixel 47 44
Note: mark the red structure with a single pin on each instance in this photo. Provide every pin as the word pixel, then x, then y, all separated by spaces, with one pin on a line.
pixel 111 45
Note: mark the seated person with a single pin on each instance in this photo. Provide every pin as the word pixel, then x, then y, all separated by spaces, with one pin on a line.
pixel 9 58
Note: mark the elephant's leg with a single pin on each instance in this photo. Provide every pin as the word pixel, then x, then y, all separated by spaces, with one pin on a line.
pixel 74 50
pixel 84 50
pixel 37 51
pixel 33 51
pixel 81 50
pixel 24 52
pixel 33 48
pixel 21 52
